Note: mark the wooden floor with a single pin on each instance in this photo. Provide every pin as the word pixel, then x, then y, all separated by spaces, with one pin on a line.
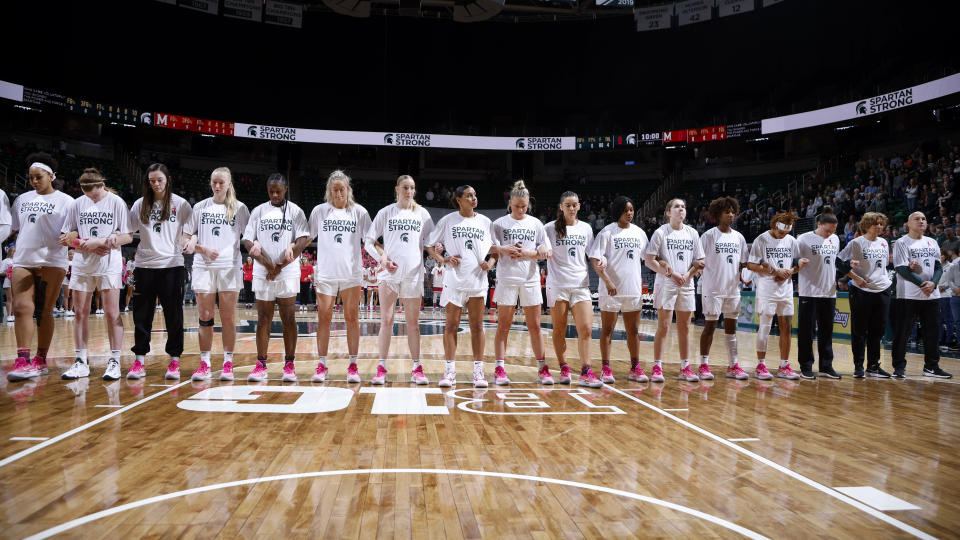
pixel 726 458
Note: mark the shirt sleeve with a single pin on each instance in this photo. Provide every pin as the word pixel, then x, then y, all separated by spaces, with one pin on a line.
pixel 186 213
pixel 242 217
pixel 314 222
pixel 14 216
pixel 133 220
pixel 436 232
pixel 744 252
pixel 796 248
pixel 121 210
pixel 901 255
pixel 300 227
pixel 363 220
pixel 590 239
pixel 697 246
pixel 70 220
pixel 428 228
pixel 850 251
pixel 653 247
pixel 496 229
pixel 250 231
pixel 599 245
pixel 756 252
pixel 541 235
pixel 191 226
pixel 5 217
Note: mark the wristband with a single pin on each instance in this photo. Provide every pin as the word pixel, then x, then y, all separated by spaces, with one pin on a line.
pixel 76 242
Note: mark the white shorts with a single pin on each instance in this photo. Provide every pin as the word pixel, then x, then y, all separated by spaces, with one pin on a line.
pixel 713 306
pixel 674 299
pixel 773 306
pixel 570 295
pixel 626 304
pixel 92 283
pixel 212 280
pixel 408 288
pixel 268 291
pixel 527 293
pixel 459 298
pixel 332 287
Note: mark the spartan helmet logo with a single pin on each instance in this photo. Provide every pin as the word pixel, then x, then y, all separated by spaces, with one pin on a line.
pixel 780 263
pixel 156 227
pixel 405 237
pixel 572 252
pixel 338 238
pixel 632 139
pixel 93 231
pixel 32 218
pixel 469 244
pixel 729 259
pixel 630 254
pixel 862 107
pixel 679 256
pixel 388 138
pixel 927 263
pixel 878 264
pixel 826 260
pixel 216 231
pixel 252 131
pixel 275 236
pixel 521 143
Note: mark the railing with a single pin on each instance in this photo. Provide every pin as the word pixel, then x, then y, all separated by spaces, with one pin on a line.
pixel 653 204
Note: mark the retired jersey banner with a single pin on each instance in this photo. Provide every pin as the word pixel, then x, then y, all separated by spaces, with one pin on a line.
pixel 653 18
pixel 734 7
pixel 694 11
pixel 248 10
pixel 283 14
pixel 206 6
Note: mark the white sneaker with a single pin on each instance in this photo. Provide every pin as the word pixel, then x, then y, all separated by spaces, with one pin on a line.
pixel 113 370
pixel 69 313
pixel 10 318
pixel 479 379
pixel 99 312
pixel 449 379
pixel 77 370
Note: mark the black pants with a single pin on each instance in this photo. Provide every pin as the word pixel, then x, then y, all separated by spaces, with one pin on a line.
pixel 868 323
pixel 167 285
pixel 929 313
pixel 819 311
pixel 247 292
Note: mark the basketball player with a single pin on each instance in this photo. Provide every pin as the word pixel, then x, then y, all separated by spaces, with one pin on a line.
pixel 818 295
pixel 436 283
pixel 213 235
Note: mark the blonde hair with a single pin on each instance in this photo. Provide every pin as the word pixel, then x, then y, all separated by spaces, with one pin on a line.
pixel 340 176
pixel 231 201
pixel 413 204
pixel 92 177
pixel 519 190
pixel 666 211
pixel 870 219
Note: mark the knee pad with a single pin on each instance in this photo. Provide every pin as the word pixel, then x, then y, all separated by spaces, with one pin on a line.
pixel 206 323
pixel 763 333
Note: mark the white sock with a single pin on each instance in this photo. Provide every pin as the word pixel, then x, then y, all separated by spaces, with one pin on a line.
pixel 383 362
pixel 762 362
pixel 227 357
pixel 499 362
pixel 478 365
pixel 451 366
pixel 82 355
pixel 658 363
pixel 205 357
pixel 140 358
pixel 541 362
pixel 731 342
pixel 175 358
pixel 416 363
pixel 323 360
pixel 115 355
pixel 684 363
pixel 353 359
pixel 704 359
pixel 784 363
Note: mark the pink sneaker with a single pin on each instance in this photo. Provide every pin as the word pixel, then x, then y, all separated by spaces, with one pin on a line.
pixel 656 374
pixel 353 374
pixel 589 379
pixel 39 364
pixel 320 375
pixel 289 372
pixel 544 375
pixel 637 375
pixel 500 376
pixel 226 374
pixel 202 373
pixel 449 379
pixel 173 370
pixel 606 375
pixel 734 372
pixel 705 373
pixel 785 372
pixel 137 371
pixel 417 376
pixel 687 374
pixel 564 374
pixel 479 379
pixel 259 372
pixel 762 373
pixel 22 370
pixel 381 376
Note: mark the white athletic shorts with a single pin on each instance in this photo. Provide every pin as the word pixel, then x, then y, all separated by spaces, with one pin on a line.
pixel 626 304
pixel 527 293
pixel 91 283
pixel 459 298
pixel 570 295
pixel 268 291
pixel 212 280
pixel 674 299
pixel 330 287
pixel 409 287
pixel 774 306
pixel 713 306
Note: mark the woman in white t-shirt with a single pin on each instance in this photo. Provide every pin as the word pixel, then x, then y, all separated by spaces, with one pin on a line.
pixel 436 283
pixel 213 236
pixel 467 238
pixel 675 253
pixel 338 225
pixel 40 262
pixel 617 257
pixel 370 282
pixel 404 227
pixel 96 226
pixel 6 269
pixel 519 240
pixel 568 286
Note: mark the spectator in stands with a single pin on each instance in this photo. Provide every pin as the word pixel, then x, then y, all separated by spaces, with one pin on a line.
pixel 912 191
pixel 952 242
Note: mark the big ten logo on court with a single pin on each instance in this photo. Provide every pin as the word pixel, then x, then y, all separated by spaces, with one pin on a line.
pixel 536 401
pixel 250 399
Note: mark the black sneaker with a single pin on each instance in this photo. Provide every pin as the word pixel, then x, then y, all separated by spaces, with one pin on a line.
pixel 830 373
pixel 807 374
pixel 877 372
pixel 858 373
pixel 936 372
pixel 899 374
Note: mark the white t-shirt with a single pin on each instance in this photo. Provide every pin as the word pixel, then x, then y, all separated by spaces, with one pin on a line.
pixel 276 227
pixel 4 266
pixel 404 233
pixel 5 218
pixel 39 219
pixel 97 220
pixel 623 250
pixel 568 266
pixel 723 254
pixel 436 274
pixel 339 232
pixel 209 223
pixel 161 242
pixel 818 279
pixel 469 237
pixel 678 248
pixel 874 258
pixel 529 233
pixel 778 254
pixel 945 281
pixel 924 251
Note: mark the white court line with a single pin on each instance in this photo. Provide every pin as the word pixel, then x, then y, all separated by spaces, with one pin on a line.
pixel 29 438
pixel 742 440
pixel 109 406
pixel 143 502
pixel 676 410
pixel 812 483
pixel 163 385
